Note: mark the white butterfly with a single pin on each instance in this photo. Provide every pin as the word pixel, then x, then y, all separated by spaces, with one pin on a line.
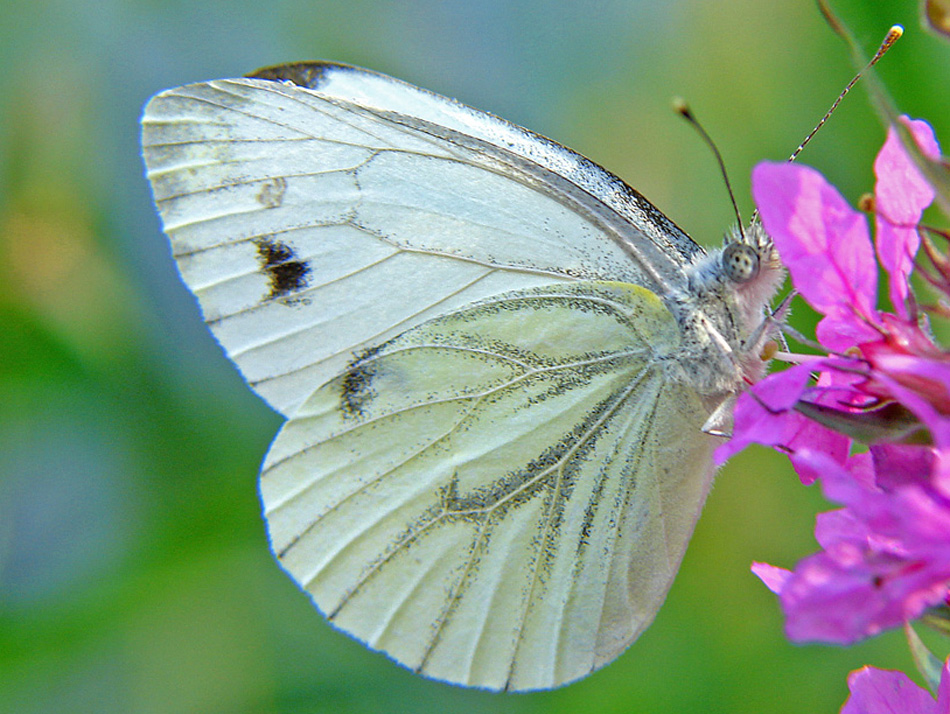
pixel 495 358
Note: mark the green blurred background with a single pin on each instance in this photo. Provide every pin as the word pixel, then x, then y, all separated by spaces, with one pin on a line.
pixel 134 569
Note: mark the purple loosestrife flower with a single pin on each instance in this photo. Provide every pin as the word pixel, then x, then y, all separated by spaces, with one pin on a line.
pixel 885 556
pixel 879 691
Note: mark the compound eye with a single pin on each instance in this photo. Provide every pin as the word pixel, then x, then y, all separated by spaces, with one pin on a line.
pixel 740 262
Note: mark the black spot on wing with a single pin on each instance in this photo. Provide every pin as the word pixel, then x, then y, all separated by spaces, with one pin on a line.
pixel 356 388
pixel 286 272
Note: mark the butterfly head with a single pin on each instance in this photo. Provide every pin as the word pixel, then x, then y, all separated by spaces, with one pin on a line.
pixel 723 308
pixel 750 273
pixel 750 269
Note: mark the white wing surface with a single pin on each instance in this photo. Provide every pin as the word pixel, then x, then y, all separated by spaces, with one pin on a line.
pixel 312 225
pixel 501 496
pixel 642 227
pixel 493 461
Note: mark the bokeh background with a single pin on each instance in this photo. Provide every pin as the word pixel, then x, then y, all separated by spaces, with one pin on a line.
pixel 134 569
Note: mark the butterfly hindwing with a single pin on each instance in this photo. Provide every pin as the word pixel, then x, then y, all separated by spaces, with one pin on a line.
pixel 489 497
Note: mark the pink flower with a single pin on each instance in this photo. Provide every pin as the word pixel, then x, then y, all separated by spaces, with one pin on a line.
pixel 826 246
pixel 878 691
pixel 885 555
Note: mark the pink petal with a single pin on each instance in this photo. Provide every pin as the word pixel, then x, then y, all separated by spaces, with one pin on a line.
pixel 766 415
pixel 825 600
pixel 819 440
pixel 840 530
pixel 807 438
pixel 822 240
pixel 856 590
pixel 901 195
pixel 773 576
pixel 879 691
pixel 924 525
pixel 898 465
pixel 782 390
pixel 839 333
pixel 846 483
pixel 761 418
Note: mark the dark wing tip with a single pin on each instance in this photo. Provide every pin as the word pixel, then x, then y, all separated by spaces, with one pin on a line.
pixel 303 74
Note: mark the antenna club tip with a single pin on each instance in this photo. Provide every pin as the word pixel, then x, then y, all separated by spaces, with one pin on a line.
pixel 895 32
pixel 680 106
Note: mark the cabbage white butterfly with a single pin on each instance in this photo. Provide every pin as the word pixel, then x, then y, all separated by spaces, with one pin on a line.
pixel 495 358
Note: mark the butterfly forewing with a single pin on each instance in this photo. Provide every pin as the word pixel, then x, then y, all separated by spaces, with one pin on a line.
pixel 310 227
pixel 512 529
pixel 654 242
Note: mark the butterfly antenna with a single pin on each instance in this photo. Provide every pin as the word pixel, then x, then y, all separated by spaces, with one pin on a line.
pixel 682 108
pixel 893 35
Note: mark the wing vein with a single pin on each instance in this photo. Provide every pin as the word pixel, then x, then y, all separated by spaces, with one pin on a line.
pixel 550 512
pixel 366 340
